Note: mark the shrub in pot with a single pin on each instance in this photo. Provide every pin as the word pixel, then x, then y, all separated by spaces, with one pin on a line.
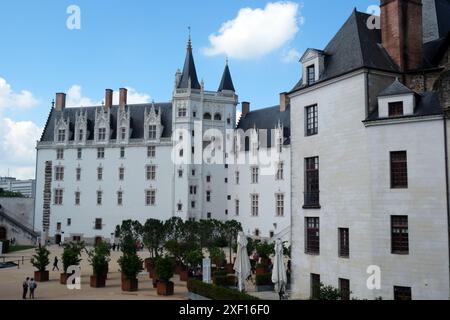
pixel 262 268
pixel 223 279
pixel 71 257
pixel 40 261
pixel 193 259
pixel 99 259
pixel 264 282
pixel 264 250
pixel 164 271
pixel 217 256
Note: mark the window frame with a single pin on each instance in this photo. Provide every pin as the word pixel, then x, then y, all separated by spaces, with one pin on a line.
pixel 400 238
pixel 312 242
pixel 399 170
pixel 311 120
pixel 344 243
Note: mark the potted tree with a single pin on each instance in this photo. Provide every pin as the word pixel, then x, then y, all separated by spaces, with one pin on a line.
pixel 232 229
pixel 193 259
pixel 164 271
pixel 71 257
pixel 264 250
pixel 40 261
pixel 99 260
pixel 153 236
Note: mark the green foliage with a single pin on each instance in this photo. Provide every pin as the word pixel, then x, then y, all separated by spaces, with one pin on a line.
pixel 41 259
pixel 164 268
pixel 10 194
pixel 264 279
pixel 194 258
pixel 130 265
pixel 287 250
pixel 99 258
pixel 216 292
pixel 231 229
pixel 251 246
pixel 153 236
pixel 225 280
pixel 217 256
pixel 265 249
pixel 72 254
pixel 173 229
pixel 329 293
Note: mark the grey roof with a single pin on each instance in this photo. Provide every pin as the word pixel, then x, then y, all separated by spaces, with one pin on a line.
pixel 137 114
pixel 427 104
pixel 227 81
pixel 353 47
pixel 268 119
pixel 443 17
pixel 433 51
pixel 189 71
pixel 395 88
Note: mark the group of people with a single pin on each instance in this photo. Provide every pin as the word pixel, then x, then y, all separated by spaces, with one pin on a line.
pixel 28 285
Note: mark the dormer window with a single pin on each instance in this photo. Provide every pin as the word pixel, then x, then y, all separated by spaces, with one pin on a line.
pixel 61 135
pixel 123 133
pixel 311 74
pixel 395 109
pixel 152 132
pixel 102 134
pixel 80 135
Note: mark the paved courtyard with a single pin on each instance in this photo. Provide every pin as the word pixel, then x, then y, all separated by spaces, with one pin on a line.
pixel 11 282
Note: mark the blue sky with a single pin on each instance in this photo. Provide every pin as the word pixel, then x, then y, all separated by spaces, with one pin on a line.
pixel 140 44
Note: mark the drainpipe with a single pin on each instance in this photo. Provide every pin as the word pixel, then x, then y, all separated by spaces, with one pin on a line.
pixel 447 182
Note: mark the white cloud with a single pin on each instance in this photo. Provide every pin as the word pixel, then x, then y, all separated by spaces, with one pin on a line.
pixel 75 97
pixel 291 55
pixel 10 99
pixel 256 32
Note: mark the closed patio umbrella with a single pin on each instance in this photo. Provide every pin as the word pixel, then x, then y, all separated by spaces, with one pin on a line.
pixel 279 277
pixel 242 263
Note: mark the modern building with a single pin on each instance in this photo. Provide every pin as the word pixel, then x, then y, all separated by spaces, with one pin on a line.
pixel 370 188
pixel 25 187
pixel 100 165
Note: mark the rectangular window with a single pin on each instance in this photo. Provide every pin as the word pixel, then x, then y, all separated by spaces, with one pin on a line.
pixel 395 109
pixel 255 175
pixel 344 242
pixel 311 182
pixel 78 174
pixel 99 173
pixel 344 289
pixel 119 198
pixel 69 222
pixel 182 112
pixel 122 152
pixel 60 154
pixel 236 205
pixel 400 234
pixel 279 204
pixel 123 133
pixel 180 207
pixel 399 170
pixel 180 173
pixel 99 198
pixel 280 172
pixel 77 198
pixel 58 197
pixel 151 172
pixel 255 205
pixel 101 134
pixel 236 177
pixel 80 135
pixel 208 215
pixel 121 174
pixel 58 226
pixel 208 178
pixel 98 224
pixel 315 286
pixel 59 173
pixel 151 151
pixel 193 204
pixel 193 173
pixel 101 153
pixel 61 135
pixel 402 293
pixel 150 197
pixel 311 74
pixel 79 153
pixel 193 190
pixel 152 132
pixel 208 196
pixel 312 120
pixel 312 243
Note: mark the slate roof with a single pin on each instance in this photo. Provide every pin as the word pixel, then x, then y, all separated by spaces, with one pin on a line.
pixel 189 71
pixel 137 114
pixel 443 17
pixel 353 47
pixel 227 81
pixel 268 119
pixel 396 88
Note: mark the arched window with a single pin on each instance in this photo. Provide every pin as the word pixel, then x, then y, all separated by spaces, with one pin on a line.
pixel 218 117
pixel 207 116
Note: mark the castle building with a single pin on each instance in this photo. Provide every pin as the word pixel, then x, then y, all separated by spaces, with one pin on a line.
pixel 370 188
pixel 100 165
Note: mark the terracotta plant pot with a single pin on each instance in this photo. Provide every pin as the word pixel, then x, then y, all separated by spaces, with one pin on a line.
pixel 261 270
pixel 41 276
pixel 155 282
pixel 229 268
pixel 165 288
pixel 152 273
pixel 63 278
pixel 179 268
pixel 130 285
pixel 184 275
pixel 98 282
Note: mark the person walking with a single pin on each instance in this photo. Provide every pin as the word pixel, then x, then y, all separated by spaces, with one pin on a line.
pixel 25 286
pixel 33 287
pixel 55 264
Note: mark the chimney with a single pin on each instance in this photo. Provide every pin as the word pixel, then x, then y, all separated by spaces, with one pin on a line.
pixel 401 32
pixel 122 97
pixel 108 99
pixel 245 108
pixel 284 101
pixel 60 101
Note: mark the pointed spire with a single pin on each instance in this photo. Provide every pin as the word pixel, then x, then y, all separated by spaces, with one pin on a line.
pixel 189 76
pixel 227 81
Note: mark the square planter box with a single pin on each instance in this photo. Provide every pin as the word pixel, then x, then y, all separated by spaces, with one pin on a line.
pixel 151 273
pixel 261 270
pixel 265 288
pixel 155 282
pixel 165 288
pixel 229 268
pixel 98 282
pixel 184 275
pixel 130 285
pixel 63 278
pixel 41 276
